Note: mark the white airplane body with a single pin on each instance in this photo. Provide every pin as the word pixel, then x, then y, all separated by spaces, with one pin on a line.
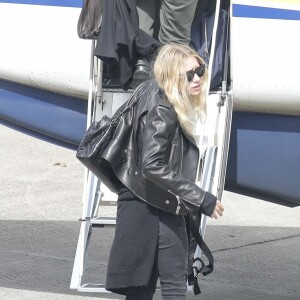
pixel 45 69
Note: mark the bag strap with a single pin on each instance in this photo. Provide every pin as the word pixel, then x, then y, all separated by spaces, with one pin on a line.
pixel 205 269
pixel 130 102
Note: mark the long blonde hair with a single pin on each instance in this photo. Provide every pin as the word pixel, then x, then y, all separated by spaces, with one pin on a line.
pixel 169 72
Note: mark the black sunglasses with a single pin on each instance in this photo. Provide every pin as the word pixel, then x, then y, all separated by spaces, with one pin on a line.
pixel 199 71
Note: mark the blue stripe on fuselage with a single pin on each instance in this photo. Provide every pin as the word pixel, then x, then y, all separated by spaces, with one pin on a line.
pixel 64 3
pixel 247 11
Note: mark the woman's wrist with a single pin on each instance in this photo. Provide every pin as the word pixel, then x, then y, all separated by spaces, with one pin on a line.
pixel 208 205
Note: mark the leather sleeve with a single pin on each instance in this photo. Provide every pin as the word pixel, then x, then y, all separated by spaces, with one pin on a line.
pixel 159 127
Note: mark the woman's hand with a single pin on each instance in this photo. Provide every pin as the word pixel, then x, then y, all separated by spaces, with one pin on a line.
pixel 218 211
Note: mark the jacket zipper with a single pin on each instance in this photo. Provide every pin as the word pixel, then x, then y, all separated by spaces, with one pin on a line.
pixel 181 141
pixel 172 151
pixel 178 202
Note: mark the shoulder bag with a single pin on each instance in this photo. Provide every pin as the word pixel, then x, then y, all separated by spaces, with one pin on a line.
pixel 96 140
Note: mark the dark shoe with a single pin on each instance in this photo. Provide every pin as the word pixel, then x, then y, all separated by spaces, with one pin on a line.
pixel 141 73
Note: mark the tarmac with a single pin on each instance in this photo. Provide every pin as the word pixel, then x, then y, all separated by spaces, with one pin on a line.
pixel 255 244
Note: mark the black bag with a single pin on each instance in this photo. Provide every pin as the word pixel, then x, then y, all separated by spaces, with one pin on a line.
pixel 90 19
pixel 93 145
pixel 97 139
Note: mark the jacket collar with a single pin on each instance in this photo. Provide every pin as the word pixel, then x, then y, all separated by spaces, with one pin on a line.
pixel 165 102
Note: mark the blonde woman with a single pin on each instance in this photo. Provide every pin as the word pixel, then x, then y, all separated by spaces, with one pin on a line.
pixel 157 167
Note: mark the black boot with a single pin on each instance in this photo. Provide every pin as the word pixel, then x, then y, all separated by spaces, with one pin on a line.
pixel 141 72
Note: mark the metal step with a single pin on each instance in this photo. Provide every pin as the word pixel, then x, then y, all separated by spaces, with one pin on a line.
pixel 108 203
pixel 103 222
pixel 93 288
pixel 97 288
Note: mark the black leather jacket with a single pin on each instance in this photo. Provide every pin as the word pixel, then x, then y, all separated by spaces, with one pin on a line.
pixel 157 161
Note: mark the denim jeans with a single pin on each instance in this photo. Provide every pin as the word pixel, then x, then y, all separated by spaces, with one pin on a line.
pixel 170 263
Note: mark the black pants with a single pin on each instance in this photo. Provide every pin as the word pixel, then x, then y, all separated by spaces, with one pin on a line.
pixel 176 18
pixel 170 263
